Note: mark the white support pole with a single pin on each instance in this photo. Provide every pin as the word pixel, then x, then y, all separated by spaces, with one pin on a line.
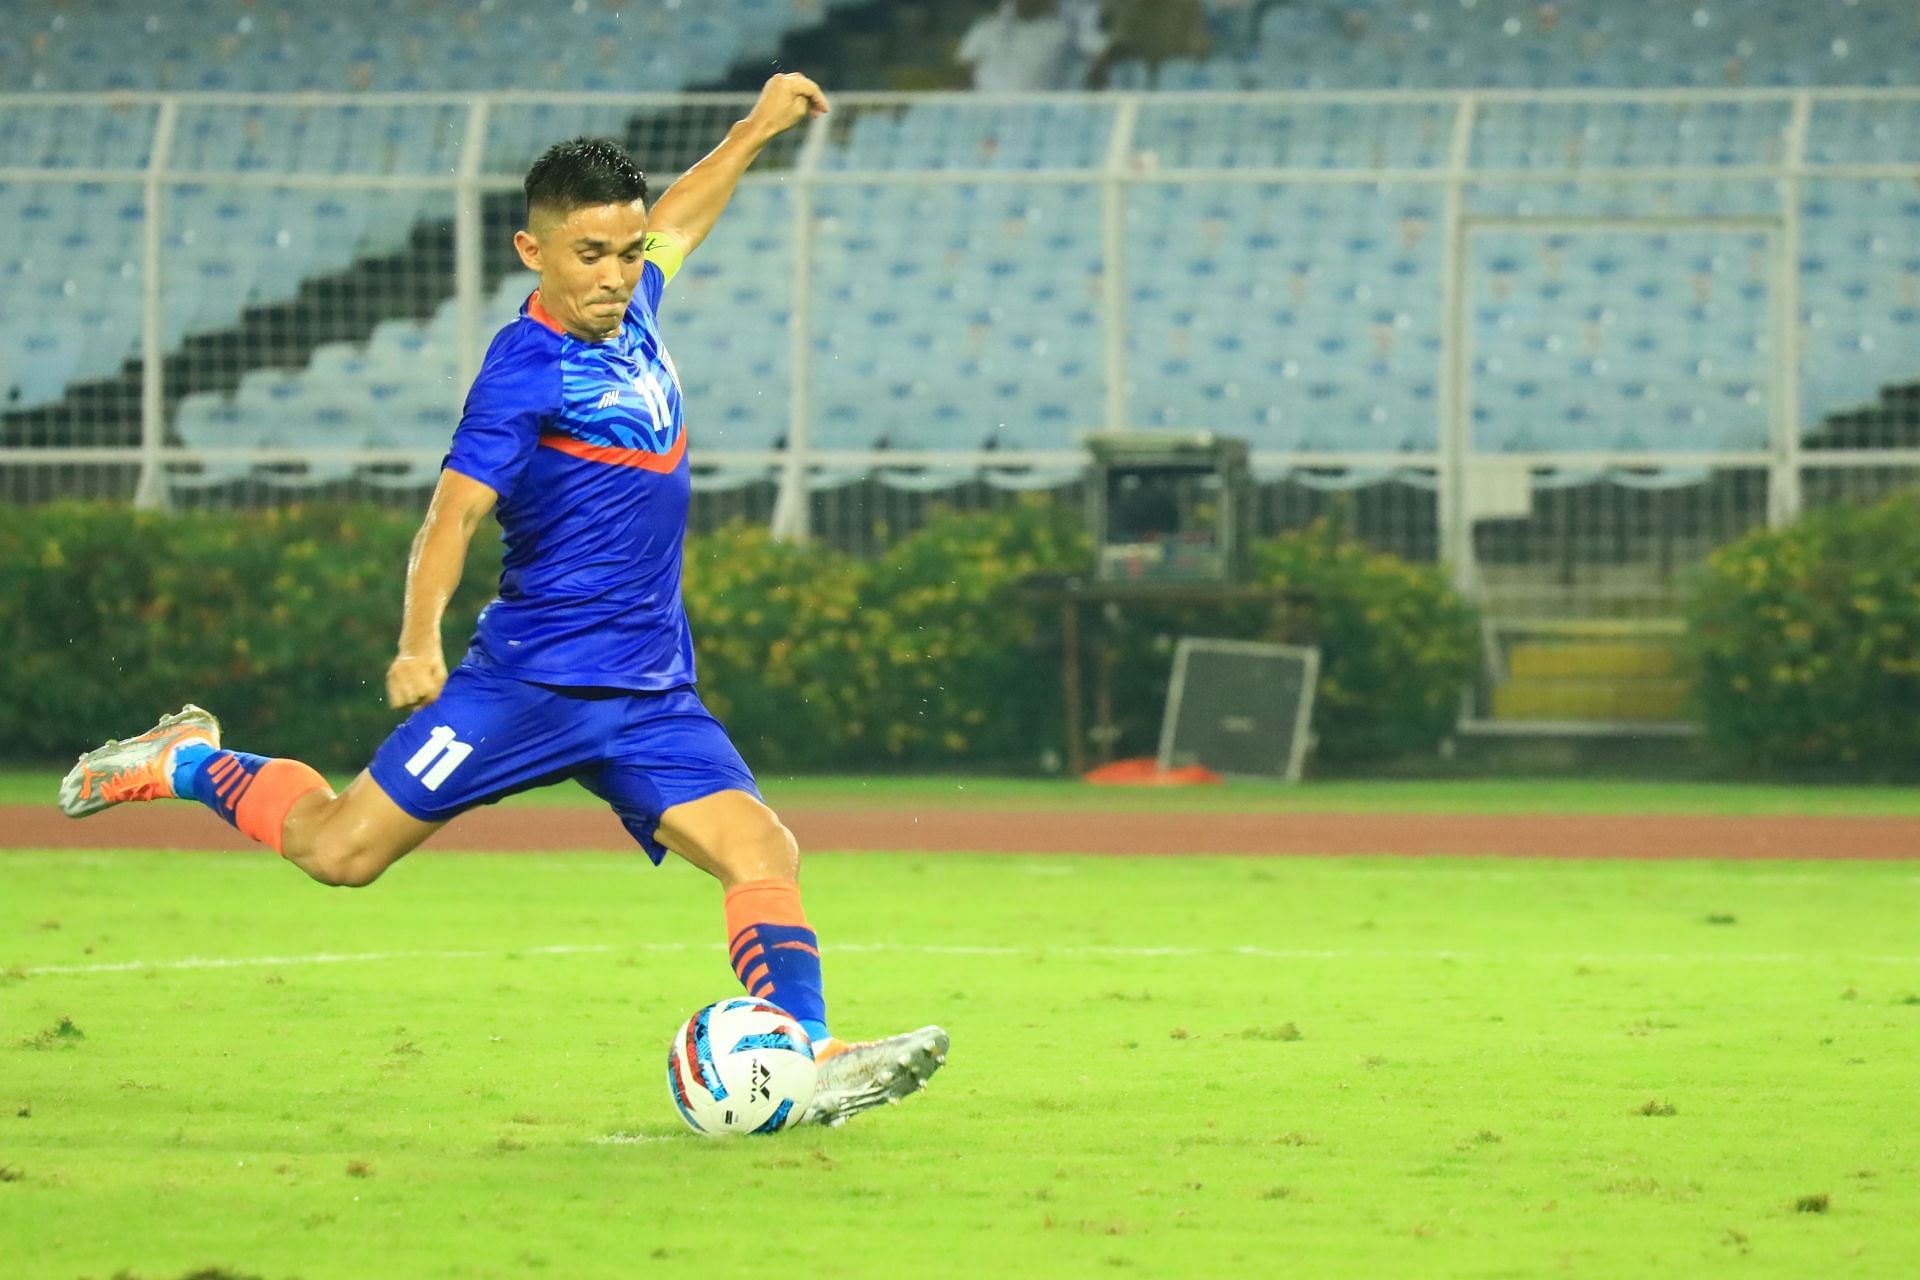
pixel 1784 495
pixel 792 512
pixel 469 253
pixel 1456 381
pixel 150 492
pixel 1113 200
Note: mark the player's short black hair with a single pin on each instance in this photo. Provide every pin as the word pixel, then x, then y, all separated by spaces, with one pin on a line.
pixel 583 171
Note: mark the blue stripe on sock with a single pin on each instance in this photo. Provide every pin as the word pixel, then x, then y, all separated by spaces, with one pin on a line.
pixel 186 763
pixel 203 788
pixel 794 972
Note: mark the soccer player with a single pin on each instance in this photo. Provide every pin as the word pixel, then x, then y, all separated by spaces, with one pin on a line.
pixel 583 666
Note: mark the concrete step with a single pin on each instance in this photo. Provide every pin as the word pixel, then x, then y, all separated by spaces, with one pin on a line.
pixel 1550 660
pixel 1591 698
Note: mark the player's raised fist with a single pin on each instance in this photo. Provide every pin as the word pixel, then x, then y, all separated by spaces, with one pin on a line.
pixel 415 679
pixel 785 101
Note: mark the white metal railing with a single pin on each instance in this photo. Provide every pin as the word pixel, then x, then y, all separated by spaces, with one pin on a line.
pixel 1464 166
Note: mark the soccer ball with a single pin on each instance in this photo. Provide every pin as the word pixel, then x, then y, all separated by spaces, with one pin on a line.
pixel 740 1066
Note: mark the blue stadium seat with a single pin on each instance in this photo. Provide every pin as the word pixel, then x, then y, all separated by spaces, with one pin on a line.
pixel 44 359
pixel 424 426
pixel 208 421
pixel 309 421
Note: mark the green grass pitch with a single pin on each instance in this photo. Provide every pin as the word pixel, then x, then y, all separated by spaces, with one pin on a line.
pixel 1160 1067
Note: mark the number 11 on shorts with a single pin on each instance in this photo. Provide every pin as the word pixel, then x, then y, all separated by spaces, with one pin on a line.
pixel 438 758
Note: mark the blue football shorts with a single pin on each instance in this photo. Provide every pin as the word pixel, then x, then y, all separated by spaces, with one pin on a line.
pixel 489 735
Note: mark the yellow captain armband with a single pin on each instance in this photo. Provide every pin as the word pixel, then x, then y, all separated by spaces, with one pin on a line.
pixel 666 253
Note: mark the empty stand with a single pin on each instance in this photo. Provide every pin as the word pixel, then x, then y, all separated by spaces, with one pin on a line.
pixel 1281 267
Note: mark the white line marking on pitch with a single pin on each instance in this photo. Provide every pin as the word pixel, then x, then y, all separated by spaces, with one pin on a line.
pixel 320 957
pixel 927 949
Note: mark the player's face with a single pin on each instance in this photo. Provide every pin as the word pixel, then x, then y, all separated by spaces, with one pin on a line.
pixel 589 260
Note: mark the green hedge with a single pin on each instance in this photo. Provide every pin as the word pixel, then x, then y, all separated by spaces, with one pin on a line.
pixel 284 622
pixel 922 656
pixel 972 672
pixel 1806 641
pixel 1397 644
pixel 780 650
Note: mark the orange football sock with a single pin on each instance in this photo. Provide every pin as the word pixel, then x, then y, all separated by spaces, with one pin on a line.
pixel 255 793
pixel 775 953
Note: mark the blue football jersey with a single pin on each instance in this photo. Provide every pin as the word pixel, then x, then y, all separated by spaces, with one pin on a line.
pixel 586 445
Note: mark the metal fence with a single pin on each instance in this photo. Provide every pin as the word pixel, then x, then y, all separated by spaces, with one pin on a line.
pixel 1564 342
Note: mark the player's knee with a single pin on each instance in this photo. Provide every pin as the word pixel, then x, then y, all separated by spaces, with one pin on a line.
pixel 789 849
pixel 764 851
pixel 779 851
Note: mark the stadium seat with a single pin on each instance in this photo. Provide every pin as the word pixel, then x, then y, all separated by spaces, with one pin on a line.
pixel 208 421
pixel 423 426
pixel 311 422
pixel 45 361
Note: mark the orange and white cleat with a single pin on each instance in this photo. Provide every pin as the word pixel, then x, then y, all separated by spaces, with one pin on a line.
pixel 856 1077
pixel 137 769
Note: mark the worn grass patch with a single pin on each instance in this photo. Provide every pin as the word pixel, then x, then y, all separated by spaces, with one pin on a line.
pixel 61 1035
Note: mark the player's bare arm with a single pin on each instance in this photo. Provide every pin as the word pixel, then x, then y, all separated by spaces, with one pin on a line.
pixel 433 572
pixel 687 212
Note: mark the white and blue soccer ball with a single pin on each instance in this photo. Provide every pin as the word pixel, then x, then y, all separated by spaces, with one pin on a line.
pixel 740 1066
